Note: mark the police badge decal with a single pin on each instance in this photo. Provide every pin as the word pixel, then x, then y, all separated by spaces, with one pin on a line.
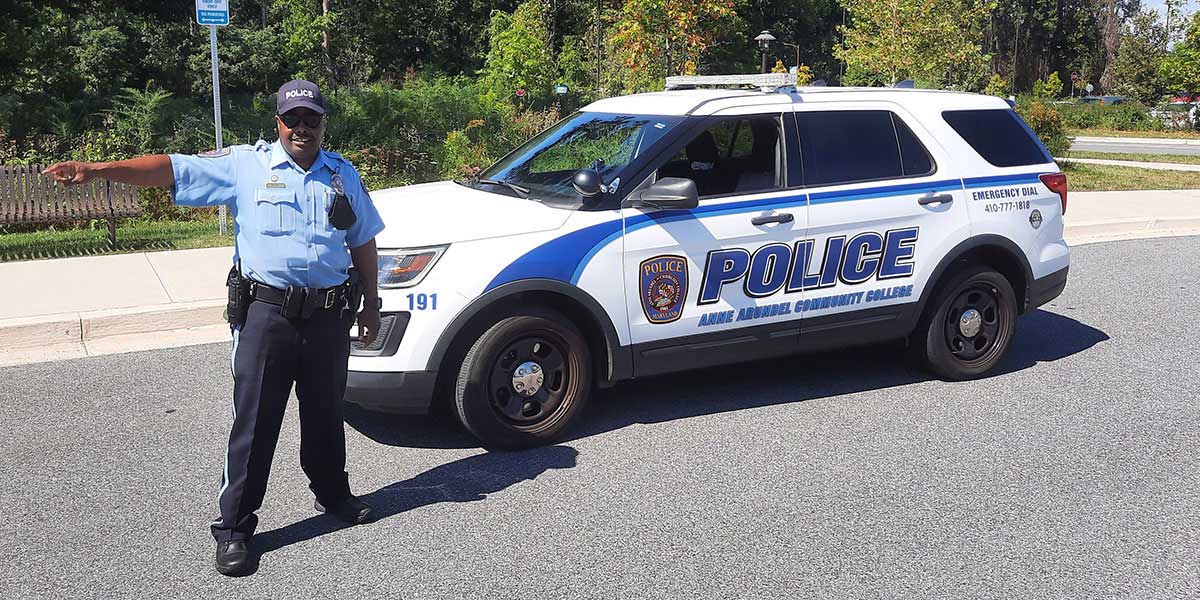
pixel 663 284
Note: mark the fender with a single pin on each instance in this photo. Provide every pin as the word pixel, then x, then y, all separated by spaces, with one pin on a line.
pixel 987 239
pixel 619 359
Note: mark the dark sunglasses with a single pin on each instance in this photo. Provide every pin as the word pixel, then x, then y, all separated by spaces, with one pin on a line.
pixel 310 121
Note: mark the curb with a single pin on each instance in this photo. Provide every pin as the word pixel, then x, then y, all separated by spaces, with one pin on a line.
pixel 1109 231
pixel 74 328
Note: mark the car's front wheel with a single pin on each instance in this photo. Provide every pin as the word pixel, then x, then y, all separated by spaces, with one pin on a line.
pixel 524 381
pixel 969 326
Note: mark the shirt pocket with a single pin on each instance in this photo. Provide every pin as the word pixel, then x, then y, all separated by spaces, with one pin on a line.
pixel 276 211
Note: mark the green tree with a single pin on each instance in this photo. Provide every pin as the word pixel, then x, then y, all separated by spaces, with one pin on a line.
pixel 652 39
pixel 1135 72
pixel 1180 69
pixel 937 43
pixel 520 55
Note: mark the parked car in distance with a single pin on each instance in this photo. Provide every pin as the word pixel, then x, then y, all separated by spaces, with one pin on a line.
pixel 1102 100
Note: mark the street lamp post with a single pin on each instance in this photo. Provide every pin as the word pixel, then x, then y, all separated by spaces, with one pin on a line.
pixel 797 47
pixel 764 40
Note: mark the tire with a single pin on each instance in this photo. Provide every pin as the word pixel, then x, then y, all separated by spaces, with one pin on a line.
pixel 941 338
pixel 487 398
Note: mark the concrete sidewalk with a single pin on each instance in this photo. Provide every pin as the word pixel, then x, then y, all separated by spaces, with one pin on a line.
pixel 76 307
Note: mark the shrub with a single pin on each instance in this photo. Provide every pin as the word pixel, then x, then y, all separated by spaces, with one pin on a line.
pixel 1045 122
pixel 997 86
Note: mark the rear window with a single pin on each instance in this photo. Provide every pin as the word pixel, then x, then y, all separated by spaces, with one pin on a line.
pixel 848 146
pixel 999 136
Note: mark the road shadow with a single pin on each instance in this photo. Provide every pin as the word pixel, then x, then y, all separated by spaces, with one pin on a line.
pixel 466 480
pixel 1041 337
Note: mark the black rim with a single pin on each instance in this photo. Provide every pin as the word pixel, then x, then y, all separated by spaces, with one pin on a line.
pixel 536 412
pixel 984 343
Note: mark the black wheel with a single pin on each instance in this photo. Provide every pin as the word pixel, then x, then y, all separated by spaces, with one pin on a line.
pixel 524 381
pixel 969 325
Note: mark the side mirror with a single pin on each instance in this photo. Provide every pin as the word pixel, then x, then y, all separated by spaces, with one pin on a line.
pixel 666 193
pixel 587 183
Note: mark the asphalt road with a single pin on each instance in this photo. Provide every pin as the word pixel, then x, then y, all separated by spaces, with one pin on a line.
pixel 1133 147
pixel 1072 473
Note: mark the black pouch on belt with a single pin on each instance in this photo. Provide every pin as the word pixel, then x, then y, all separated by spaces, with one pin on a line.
pixel 238 297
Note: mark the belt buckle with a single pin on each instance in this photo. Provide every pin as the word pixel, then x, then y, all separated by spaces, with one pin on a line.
pixel 330 298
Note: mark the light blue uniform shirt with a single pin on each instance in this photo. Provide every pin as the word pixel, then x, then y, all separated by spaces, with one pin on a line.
pixel 280 211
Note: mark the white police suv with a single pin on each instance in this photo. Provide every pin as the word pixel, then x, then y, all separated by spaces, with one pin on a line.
pixel 695 227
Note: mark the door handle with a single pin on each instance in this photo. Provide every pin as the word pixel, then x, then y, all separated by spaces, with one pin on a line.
pixel 779 218
pixel 938 199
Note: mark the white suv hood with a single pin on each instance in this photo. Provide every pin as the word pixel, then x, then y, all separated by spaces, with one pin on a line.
pixel 445 212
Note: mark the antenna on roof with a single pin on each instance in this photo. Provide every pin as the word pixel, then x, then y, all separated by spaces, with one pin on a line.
pixel 906 84
pixel 767 82
pixel 818 83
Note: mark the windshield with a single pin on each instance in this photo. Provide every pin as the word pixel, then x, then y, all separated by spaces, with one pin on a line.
pixel 605 142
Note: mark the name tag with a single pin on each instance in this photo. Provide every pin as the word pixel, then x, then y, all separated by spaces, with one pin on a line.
pixel 276 184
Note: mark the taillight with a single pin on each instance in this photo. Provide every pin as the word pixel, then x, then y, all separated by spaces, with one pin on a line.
pixel 1057 183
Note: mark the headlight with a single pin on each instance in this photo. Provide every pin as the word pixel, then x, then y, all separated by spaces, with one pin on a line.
pixel 407 267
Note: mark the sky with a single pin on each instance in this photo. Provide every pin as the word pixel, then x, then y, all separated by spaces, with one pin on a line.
pixel 1158 5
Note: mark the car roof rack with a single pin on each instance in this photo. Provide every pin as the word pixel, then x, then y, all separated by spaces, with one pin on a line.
pixel 766 82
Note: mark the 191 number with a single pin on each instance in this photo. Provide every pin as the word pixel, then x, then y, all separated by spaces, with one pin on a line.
pixel 422 302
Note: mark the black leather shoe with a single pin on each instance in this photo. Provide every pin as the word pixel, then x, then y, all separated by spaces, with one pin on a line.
pixel 351 510
pixel 233 558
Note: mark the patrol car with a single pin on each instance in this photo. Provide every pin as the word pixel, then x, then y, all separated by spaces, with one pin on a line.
pixel 702 226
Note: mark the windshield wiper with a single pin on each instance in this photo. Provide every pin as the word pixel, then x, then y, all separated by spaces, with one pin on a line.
pixel 518 190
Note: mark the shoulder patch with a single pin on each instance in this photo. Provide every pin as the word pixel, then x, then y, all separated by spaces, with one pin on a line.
pixel 216 153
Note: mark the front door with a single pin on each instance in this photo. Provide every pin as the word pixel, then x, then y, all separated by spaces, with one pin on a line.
pixel 696 280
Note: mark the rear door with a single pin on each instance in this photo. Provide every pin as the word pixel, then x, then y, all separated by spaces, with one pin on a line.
pixel 883 210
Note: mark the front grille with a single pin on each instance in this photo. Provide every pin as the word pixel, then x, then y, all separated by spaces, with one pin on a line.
pixel 391 331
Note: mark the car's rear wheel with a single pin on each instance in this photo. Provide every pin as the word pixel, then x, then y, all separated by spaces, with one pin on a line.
pixel 969 326
pixel 524 381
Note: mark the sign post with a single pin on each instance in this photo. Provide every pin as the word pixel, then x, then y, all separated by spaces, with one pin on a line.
pixel 215 13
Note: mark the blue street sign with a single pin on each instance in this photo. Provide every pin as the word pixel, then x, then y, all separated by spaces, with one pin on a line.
pixel 212 12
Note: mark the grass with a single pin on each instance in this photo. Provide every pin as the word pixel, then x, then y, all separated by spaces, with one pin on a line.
pixel 1180 159
pixel 1184 134
pixel 134 235
pixel 1099 178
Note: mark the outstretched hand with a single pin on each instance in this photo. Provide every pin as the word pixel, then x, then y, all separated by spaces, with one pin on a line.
pixel 70 172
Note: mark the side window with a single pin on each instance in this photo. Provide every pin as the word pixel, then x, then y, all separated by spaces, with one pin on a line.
pixel 914 158
pixel 846 146
pixel 732 156
pixel 999 136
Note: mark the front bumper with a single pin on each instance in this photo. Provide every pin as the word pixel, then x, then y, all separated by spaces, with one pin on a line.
pixel 409 393
pixel 1046 288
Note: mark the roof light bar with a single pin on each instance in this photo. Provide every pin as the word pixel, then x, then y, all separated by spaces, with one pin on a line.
pixel 767 82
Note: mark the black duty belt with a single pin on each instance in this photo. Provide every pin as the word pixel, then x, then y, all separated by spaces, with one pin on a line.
pixel 299 301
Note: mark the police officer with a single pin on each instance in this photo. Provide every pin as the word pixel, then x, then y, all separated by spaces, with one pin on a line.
pixel 302 219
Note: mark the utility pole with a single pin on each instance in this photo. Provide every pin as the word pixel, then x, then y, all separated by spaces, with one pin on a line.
pixel 599 47
pixel 325 42
pixel 215 13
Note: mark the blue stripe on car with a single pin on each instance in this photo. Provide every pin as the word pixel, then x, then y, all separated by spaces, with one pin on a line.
pixel 564 258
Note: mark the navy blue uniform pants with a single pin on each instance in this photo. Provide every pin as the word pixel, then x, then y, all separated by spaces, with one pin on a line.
pixel 270 353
